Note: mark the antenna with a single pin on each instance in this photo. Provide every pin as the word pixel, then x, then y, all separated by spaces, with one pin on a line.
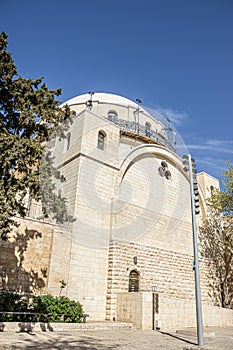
pixel 169 123
pixel 138 112
pixel 174 139
pixel 89 102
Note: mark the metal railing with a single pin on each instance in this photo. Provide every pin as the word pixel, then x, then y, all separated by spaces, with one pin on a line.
pixel 144 131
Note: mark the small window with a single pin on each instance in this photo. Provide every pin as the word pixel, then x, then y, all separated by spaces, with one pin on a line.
pixel 168 175
pixel 164 165
pixel 134 281
pixel 112 116
pixel 148 129
pixel 101 139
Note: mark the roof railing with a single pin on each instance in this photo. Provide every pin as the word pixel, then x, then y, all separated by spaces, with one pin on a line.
pixel 140 129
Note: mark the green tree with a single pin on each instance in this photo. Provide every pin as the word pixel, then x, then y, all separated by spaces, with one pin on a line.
pixel 222 201
pixel 216 240
pixel 29 117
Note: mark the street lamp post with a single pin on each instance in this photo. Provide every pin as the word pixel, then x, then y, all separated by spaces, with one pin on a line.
pixel 188 161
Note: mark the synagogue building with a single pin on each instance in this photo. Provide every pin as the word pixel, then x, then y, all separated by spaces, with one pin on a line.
pixel 128 255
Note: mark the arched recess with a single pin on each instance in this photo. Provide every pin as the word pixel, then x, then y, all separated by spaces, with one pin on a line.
pixel 175 191
pixel 148 150
pixel 134 278
pixel 159 151
pixel 101 139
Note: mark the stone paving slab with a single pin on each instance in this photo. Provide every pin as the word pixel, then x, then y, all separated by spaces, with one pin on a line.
pixel 132 339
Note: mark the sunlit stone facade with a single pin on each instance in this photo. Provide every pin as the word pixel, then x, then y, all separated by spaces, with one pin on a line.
pixel 129 194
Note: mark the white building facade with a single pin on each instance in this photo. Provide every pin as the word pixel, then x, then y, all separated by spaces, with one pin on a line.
pixel 128 255
pixel 129 194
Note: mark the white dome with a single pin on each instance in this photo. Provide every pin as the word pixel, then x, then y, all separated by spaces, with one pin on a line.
pixel 102 98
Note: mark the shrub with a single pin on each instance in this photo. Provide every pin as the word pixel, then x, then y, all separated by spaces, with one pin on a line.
pixel 48 308
pixel 14 302
pixel 57 309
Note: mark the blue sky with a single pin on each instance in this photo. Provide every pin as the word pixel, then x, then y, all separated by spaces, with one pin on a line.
pixel 175 55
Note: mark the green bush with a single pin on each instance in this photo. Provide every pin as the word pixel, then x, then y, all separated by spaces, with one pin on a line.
pixel 57 309
pixel 47 308
pixel 14 302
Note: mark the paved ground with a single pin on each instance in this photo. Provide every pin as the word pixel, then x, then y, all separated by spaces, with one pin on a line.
pixel 115 339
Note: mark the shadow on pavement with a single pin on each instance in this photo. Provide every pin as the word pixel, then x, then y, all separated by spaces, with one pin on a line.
pixel 61 344
pixel 178 337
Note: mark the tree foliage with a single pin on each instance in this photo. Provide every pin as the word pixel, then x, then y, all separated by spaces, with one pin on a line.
pixel 216 240
pixel 29 116
pixel 222 201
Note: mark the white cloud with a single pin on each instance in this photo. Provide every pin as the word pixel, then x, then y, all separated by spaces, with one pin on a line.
pixel 211 154
pixel 175 116
pixel 219 142
pixel 215 163
pixel 213 146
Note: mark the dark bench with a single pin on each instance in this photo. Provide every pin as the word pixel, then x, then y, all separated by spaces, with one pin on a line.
pixel 35 315
pixel 84 318
pixel 20 313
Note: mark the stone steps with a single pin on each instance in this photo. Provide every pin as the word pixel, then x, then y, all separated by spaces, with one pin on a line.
pixel 105 325
pixel 62 327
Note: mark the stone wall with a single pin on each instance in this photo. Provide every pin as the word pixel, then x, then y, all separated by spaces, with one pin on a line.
pixel 25 257
pixel 169 313
pixel 59 261
pixel 176 313
pixel 136 308
pixel 171 272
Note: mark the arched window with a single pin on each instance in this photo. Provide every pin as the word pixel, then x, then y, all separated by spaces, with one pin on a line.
pixel 133 281
pixel 112 116
pixel 211 190
pixel 101 139
pixel 148 129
